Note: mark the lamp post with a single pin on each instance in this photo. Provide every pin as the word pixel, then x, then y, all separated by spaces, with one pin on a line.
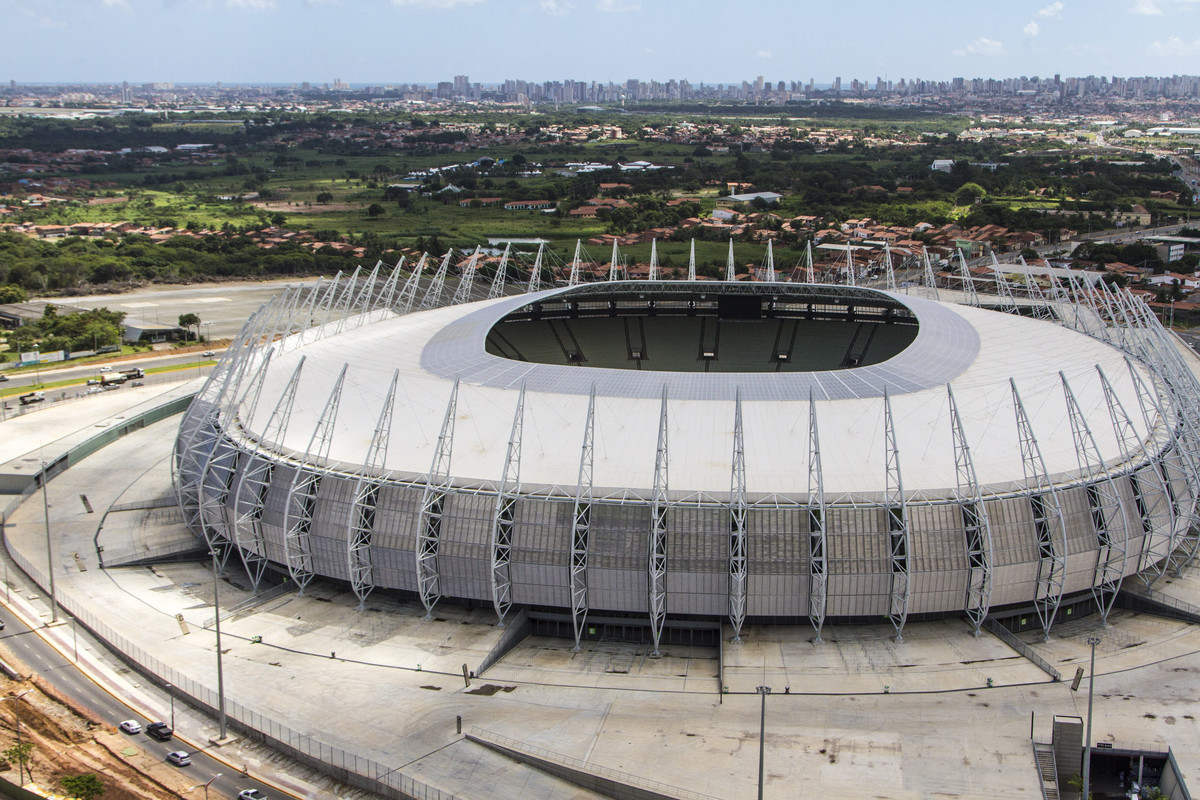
pixel 16 698
pixel 172 696
pixel 207 784
pixel 37 366
pixel 220 670
pixel 763 691
pixel 1087 743
pixel 49 545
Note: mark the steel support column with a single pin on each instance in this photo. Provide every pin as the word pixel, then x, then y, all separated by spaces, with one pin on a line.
pixel 433 506
pixel 361 521
pixel 737 525
pixel 1108 517
pixel 581 523
pixel 302 494
pixel 1049 525
pixel 657 556
pixel 896 512
pixel 818 573
pixel 976 527
pixel 504 516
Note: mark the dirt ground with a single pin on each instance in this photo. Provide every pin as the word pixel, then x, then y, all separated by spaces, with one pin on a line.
pixel 68 741
pixel 315 208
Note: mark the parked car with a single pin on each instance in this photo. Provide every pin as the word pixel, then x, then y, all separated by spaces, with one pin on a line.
pixel 106 368
pixel 179 758
pixel 159 730
pixel 251 794
pixel 131 726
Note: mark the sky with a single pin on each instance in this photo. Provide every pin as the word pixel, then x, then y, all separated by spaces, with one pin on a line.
pixel 381 42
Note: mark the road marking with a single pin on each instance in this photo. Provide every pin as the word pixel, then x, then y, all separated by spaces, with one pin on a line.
pixel 211 300
pixel 140 305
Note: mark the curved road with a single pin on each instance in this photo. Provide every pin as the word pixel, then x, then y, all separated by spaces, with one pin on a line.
pixel 36 653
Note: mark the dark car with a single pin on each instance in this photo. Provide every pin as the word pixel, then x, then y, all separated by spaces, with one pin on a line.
pixel 159 730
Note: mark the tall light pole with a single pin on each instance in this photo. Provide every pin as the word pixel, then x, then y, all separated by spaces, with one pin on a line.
pixel 16 698
pixel 172 696
pixel 37 366
pixel 49 545
pixel 209 783
pixel 763 691
pixel 220 670
pixel 1087 743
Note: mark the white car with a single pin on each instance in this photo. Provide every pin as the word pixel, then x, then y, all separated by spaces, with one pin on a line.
pixel 209 354
pixel 131 726
pixel 106 368
pixel 179 758
pixel 251 794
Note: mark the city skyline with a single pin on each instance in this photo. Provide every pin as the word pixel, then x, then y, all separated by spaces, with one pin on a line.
pixel 372 42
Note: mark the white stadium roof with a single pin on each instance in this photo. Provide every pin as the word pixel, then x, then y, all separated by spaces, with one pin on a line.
pixel 974 350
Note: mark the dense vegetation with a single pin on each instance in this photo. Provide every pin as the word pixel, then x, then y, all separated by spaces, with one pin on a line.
pixel 85 330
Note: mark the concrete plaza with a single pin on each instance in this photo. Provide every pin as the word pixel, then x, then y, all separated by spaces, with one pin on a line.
pixel 859 715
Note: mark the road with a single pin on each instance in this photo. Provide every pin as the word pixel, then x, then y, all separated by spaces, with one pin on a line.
pixel 87 371
pixel 47 662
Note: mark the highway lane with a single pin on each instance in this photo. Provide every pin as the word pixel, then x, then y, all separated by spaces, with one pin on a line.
pixel 47 662
pixel 84 372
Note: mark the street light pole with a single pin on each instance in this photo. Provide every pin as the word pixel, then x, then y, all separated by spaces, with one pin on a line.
pixel 1087 744
pixel 49 545
pixel 210 780
pixel 763 691
pixel 220 670
pixel 172 696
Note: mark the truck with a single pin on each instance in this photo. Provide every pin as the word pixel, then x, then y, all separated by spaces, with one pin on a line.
pixel 116 379
pixel 31 398
pixel 134 374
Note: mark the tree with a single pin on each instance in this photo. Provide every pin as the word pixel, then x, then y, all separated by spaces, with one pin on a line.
pixel 374 210
pixel 84 787
pixel 188 321
pixel 968 193
pixel 12 294
pixel 20 753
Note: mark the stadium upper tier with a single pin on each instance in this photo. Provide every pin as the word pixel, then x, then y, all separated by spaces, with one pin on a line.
pixel 701 450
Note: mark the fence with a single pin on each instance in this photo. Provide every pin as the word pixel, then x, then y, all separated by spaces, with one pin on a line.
pixel 343 765
pixel 1010 639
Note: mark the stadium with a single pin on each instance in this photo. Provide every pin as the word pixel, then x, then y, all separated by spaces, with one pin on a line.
pixel 669 460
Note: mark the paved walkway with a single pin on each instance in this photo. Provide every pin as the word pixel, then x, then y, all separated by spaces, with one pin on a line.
pixel 859 715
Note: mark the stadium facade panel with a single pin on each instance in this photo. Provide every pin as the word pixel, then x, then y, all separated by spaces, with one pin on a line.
pixel 746 451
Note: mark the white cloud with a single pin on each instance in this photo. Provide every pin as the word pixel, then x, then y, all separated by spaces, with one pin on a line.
pixel 981 47
pixel 1156 8
pixel 555 8
pixel 440 4
pixel 1031 30
pixel 764 53
pixel 618 6
pixel 1053 10
pixel 121 4
pixel 252 5
pixel 1174 46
